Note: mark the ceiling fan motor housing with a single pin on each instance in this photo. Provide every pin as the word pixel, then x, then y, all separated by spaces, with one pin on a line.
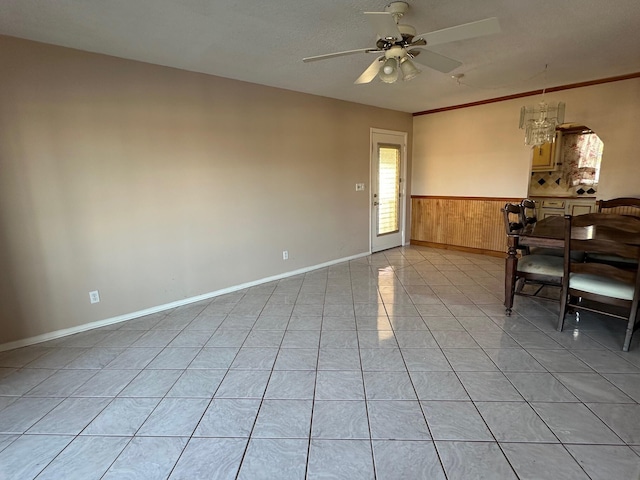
pixel 397 8
pixel 395 52
pixel 407 32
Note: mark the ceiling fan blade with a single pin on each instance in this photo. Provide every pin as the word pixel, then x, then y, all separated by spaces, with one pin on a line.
pixel 436 61
pixel 465 31
pixel 339 54
pixel 371 71
pixel 384 25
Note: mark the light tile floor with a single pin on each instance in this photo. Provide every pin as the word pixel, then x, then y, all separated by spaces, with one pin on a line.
pixel 400 365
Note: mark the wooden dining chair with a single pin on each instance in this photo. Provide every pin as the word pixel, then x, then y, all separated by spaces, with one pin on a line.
pixel 626 225
pixel 513 218
pixel 513 222
pixel 535 269
pixel 621 206
pixel 609 289
pixel 529 216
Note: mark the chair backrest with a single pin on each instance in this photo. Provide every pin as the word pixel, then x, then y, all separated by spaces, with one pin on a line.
pixel 512 218
pixel 622 206
pixel 610 226
pixel 529 216
pixel 607 234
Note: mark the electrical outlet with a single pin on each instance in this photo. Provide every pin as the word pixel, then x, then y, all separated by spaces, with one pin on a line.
pixel 359 187
pixel 94 296
pixel 285 255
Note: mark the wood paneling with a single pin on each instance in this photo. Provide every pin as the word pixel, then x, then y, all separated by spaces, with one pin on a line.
pixel 471 223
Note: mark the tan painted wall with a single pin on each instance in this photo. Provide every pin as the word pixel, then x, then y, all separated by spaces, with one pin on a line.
pixel 154 185
pixel 479 151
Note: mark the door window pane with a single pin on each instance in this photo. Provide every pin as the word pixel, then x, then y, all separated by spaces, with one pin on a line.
pixel 388 188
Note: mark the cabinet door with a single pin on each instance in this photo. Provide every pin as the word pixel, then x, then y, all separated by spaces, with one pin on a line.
pixel 559 204
pixel 580 208
pixel 550 212
pixel 543 158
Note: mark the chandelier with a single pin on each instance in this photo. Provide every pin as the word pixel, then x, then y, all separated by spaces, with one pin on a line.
pixel 539 122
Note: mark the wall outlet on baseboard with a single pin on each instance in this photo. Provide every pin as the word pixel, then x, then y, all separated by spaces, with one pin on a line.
pixel 94 296
pixel 285 254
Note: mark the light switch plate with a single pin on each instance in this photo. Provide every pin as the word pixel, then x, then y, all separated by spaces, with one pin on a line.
pixel 94 296
pixel 359 187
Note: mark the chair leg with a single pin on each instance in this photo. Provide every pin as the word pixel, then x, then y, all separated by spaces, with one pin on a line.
pixel 627 339
pixel 509 295
pixel 519 285
pixel 630 329
pixel 563 312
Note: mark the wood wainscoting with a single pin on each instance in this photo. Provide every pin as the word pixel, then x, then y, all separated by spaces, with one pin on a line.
pixel 473 224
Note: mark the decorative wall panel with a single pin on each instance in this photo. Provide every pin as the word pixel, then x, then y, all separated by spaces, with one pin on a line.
pixel 464 223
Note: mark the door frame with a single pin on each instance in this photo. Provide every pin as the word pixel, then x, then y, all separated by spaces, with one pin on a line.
pixel 403 183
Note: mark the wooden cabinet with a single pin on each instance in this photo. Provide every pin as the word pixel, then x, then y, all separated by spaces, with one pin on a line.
pixel 550 207
pixel 580 207
pixel 543 158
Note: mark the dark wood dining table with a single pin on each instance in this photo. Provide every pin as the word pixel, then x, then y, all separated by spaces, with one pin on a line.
pixel 548 232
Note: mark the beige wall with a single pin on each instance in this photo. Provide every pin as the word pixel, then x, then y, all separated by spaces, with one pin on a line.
pixel 479 151
pixel 153 185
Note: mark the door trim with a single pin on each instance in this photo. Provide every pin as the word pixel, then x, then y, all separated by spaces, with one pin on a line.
pixel 403 183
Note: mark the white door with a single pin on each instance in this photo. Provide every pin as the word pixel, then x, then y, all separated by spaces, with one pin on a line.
pixel 388 167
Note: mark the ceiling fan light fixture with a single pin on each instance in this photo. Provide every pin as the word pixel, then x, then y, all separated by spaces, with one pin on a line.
pixel 409 70
pixel 389 71
pixel 396 41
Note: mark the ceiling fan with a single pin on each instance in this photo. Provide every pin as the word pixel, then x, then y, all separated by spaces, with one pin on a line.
pixel 399 45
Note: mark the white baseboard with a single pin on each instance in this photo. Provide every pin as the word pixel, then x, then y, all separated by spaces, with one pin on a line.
pixel 167 306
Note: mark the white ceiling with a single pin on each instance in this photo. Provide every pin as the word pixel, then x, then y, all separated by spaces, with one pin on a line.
pixel 264 42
